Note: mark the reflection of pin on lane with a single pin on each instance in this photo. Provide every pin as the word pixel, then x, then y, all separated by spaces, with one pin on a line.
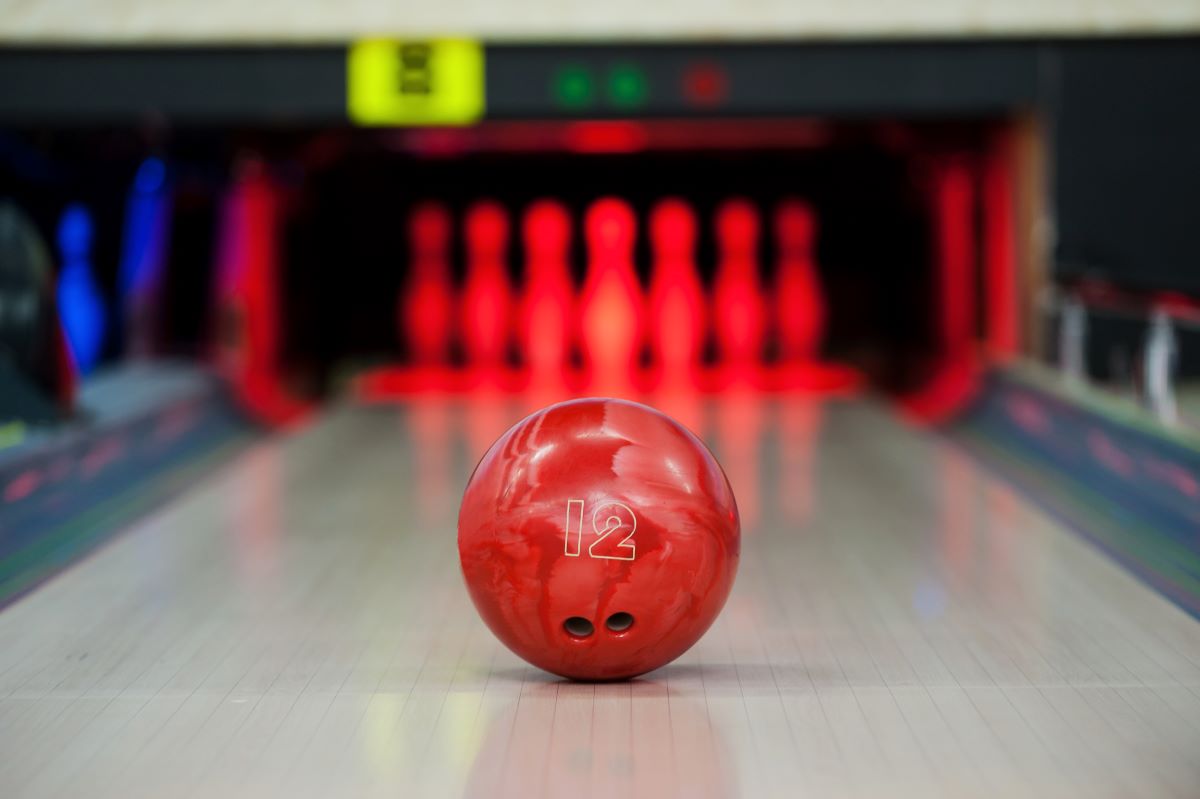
pixel 255 515
pixel 621 740
pixel 489 412
pixel 428 420
pixel 799 426
pixel 957 523
pixel 683 404
pixel 739 427
pixel 1002 509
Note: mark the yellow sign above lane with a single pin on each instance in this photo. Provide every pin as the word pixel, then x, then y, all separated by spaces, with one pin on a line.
pixel 415 82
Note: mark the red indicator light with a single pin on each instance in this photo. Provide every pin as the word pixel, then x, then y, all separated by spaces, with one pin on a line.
pixel 605 137
pixel 705 85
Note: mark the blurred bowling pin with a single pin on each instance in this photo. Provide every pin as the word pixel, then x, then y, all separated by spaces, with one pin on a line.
pixel 79 302
pixel 486 316
pixel 547 313
pixel 954 195
pixel 248 296
pixel 676 318
pixel 611 306
pixel 143 256
pixel 799 302
pixel 738 307
pixel 426 305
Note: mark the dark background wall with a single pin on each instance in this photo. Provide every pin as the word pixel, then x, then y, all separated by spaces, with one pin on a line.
pixel 1126 154
pixel 1123 114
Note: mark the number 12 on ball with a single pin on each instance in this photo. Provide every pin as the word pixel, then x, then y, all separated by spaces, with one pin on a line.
pixel 614 525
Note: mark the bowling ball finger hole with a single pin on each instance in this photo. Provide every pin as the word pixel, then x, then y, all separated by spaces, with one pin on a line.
pixel 619 622
pixel 578 627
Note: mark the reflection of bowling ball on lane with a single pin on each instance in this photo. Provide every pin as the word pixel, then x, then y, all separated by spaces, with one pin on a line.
pixel 642 741
pixel 599 539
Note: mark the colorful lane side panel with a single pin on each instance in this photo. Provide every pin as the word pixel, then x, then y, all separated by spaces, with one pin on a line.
pixel 1134 492
pixel 68 494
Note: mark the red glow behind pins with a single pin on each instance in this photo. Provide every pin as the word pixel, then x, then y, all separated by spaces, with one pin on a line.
pixel 599 539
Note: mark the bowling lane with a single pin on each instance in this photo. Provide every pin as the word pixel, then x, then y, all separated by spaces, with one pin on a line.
pixel 902 623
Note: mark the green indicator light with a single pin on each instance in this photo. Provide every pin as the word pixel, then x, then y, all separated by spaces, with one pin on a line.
pixel 627 86
pixel 573 87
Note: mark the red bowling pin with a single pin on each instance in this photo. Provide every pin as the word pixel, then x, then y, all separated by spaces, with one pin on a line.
pixel 676 318
pixel 426 306
pixel 547 313
pixel 799 302
pixel 611 305
pixel 486 316
pixel 738 306
pixel 247 287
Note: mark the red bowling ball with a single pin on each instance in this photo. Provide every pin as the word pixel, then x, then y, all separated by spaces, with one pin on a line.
pixel 599 539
